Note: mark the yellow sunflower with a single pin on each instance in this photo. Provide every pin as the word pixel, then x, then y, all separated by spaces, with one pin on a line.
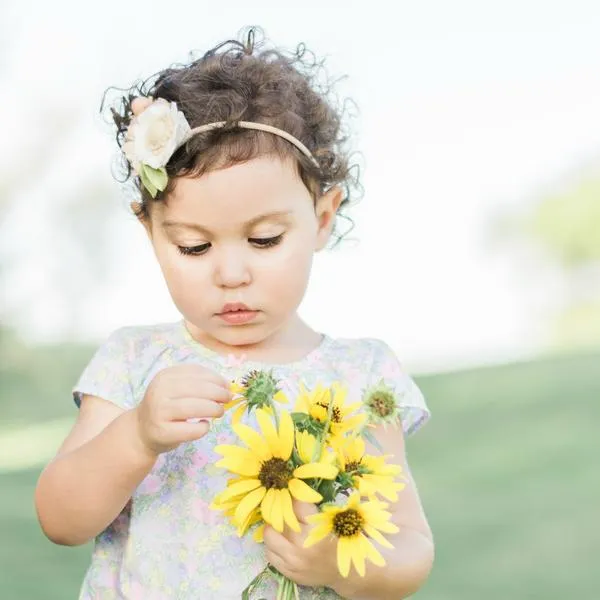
pixel 369 474
pixel 354 525
pixel 257 389
pixel 268 478
pixel 317 404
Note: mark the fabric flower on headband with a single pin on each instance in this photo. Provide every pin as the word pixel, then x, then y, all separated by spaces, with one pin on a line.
pixel 156 131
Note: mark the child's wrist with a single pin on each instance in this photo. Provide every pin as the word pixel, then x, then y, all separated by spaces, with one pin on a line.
pixel 345 586
pixel 137 444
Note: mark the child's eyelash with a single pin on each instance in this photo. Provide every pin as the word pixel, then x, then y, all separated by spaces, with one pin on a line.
pixel 266 242
pixel 203 248
pixel 193 250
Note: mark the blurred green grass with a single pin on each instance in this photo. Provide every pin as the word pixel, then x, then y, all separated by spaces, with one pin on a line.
pixel 507 470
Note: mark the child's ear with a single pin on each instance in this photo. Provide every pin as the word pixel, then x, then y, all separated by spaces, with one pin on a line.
pixel 326 210
pixel 143 218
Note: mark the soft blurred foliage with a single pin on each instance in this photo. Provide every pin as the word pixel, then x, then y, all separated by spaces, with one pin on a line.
pixel 567 222
pixel 560 233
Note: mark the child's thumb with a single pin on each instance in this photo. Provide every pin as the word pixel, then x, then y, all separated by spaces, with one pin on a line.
pixel 303 510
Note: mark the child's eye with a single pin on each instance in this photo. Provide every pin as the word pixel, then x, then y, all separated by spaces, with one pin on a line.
pixel 266 242
pixel 193 250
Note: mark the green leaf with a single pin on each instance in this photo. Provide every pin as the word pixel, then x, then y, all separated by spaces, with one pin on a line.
pixel 299 418
pixel 327 490
pixel 148 184
pixel 158 177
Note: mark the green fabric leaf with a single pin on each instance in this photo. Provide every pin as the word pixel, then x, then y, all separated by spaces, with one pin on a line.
pixel 147 183
pixel 158 177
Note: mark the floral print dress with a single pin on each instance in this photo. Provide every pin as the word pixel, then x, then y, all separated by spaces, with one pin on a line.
pixel 167 543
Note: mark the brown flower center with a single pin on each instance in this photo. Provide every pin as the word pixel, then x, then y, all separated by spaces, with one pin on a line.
pixel 275 473
pixel 250 377
pixel 347 523
pixel 383 404
pixel 352 466
pixel 336 415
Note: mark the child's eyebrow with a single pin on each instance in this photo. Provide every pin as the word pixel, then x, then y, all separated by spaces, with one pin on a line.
pixel 272 216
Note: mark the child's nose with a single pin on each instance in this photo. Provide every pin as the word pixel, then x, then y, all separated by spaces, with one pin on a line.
pixel 232 269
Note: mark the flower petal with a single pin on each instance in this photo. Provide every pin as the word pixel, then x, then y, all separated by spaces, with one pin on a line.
pixel 348 409
pixel 233 403
pixel 237 489
pixel 373 533
pixel 351 423
pixel 248 504
pixel 266 505
pixel 305 443
pixel 301 491
pixel 286 435
pixel 316 470
pixel 323 518
pixel 372 553
pixel 280 397
pixel 258 534
pixel 253 440
pixel 252 518
pixel 289 516
pixel 268 430
pixel 239 412
pixel 358 554
pixel 249 469
pixel 237 454
pixel 318 533
pixel 356 449
pixel 343 556
pixel 277 512
pixel 236 388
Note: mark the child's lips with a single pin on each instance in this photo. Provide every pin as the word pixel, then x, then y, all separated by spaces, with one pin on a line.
pixel 238 317
pixel 234 307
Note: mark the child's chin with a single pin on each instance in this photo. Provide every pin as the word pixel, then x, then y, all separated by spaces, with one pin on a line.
pixel 245 335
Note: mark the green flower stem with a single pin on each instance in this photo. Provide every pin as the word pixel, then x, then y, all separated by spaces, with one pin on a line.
pixel 323 438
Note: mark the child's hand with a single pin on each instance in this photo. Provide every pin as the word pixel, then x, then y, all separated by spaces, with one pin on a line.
pixel 178 406
pixel 314 566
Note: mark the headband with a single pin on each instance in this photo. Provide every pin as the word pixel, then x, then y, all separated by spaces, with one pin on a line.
pixel 159 128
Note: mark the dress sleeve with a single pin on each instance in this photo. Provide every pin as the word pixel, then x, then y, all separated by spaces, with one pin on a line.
pixel 107 375
pixel 386 367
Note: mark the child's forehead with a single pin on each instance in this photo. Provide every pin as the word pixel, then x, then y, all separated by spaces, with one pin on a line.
pixel 238 194
pixel 264 173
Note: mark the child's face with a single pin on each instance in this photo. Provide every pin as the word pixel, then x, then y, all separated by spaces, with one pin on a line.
pixel 248 234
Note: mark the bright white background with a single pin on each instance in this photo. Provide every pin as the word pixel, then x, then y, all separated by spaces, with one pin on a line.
pixel 466 110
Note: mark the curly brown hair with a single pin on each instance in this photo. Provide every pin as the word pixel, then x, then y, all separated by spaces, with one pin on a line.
pixel 248 81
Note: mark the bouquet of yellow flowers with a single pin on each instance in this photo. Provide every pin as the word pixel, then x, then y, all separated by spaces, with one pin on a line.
pixel 314 454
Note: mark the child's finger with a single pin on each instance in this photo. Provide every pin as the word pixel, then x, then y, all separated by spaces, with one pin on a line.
pixel 277 543
pixel 183 409
pixel 188 432
pixel 181 373
pixel 303 510
pixel 192 387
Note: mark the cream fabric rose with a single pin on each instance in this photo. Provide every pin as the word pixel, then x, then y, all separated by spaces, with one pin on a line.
pixel 155 134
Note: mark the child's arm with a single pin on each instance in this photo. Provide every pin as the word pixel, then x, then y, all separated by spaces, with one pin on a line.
pixel 407 565
pixel 109 451
pixel 93 475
